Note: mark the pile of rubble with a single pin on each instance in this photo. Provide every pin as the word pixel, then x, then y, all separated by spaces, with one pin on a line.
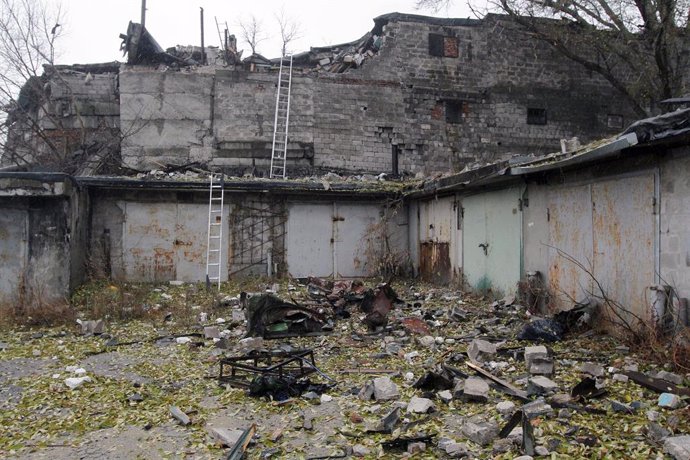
pixel 327 369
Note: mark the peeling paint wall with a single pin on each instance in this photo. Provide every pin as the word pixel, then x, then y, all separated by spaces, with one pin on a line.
pixel 42 235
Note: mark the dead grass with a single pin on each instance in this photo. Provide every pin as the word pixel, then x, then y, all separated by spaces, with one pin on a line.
pixel 37 315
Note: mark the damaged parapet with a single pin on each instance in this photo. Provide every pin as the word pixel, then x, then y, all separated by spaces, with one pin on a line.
pixel 141 48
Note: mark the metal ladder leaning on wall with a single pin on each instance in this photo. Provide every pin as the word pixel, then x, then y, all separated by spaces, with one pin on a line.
pixel 282 120
pixel 214 243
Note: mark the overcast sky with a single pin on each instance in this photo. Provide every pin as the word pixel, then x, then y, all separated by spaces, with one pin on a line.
pixel 91 28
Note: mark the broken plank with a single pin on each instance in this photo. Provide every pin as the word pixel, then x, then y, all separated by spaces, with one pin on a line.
pixel 238 450
pixel 370 371
pixel 514 391
pixel 654 384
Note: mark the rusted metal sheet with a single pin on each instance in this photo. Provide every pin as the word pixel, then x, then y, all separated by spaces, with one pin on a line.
pixel 13 252
pixel 148 241
pixel 434 262
pixel 330 239
pixel 354 229
pixel 609 227
pixel 167 241
pixel 310 239
pixel 190 242
pixel 624 240
pixel 492 232
pixel 569 219
pixel 440 238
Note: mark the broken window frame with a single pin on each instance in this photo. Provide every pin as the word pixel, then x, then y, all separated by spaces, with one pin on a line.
pixel 438 48
pixel 614 121
pixel 536 116
pixel 454 111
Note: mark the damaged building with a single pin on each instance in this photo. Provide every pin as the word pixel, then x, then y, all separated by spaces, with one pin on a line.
pixel 415 95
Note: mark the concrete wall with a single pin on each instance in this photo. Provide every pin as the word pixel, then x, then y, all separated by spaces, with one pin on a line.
pixel 400 104
pixel 42 239
pixel 155 236
pixel 675 222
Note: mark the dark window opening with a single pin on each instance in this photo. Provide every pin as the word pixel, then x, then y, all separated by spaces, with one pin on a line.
pixel 394 163
pixel 455 111
pixel 436 45
pixel 536 116
pixel 614 121
pixel 443 46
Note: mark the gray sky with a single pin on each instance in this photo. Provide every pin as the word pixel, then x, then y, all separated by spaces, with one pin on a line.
pixel 92 27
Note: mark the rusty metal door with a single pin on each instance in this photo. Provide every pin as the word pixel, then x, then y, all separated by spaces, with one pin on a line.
pixel 148 241
pixel 310 239
pixel 624 222
pixel 438 241
pixel 569 218
pixel 492 226
pixel 353 230
pixel 167 241
pixel 190 242
pixel 13 252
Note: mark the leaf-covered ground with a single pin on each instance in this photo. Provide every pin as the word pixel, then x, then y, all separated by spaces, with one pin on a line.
pixel 124 410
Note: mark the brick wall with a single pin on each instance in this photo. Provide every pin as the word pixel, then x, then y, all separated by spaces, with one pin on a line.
pixel 436 109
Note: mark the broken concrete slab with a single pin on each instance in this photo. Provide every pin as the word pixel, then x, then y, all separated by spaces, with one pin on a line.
pixel 420 406
pixel 678 447
pixel 414 448
pixel 537 408
pixel 454 449
pixel 670 377
pixel 541 366
pixel 225 437
pixel 446 396
pixel 475 389
pixel 251 344
pixel 538 351
pixel 479 431
pixel 75 382
pixel 180 416
pixel 541 385
pixel 505 407
pixel 385 389
pixel 211 332
pixel 669 401
pixel 593 369
pixel 358 450
pixel 620 378
pixel 93 327
pixel 481 350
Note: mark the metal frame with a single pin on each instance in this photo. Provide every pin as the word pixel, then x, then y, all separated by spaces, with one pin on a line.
pixel 297 364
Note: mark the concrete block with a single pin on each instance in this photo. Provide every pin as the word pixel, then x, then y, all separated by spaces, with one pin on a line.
pixel 678 447
pixel 476 389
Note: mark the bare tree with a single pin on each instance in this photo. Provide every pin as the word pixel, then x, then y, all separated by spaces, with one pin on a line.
pixel 433 5
pixel 638 46
pixel 290 29
pixel 28 33
pixel 251 31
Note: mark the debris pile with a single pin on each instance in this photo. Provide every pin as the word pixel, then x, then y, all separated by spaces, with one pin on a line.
pixel 335 368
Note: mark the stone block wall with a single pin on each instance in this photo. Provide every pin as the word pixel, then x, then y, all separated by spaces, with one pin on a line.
pixel 420 104
pixel 164 115
pixel 674 242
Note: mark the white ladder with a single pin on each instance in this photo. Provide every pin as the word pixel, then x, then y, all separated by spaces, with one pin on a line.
pixel 281 122
pixel 214 243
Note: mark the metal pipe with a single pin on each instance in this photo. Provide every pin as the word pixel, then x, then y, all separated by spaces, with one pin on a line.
pixel 203 49
pixel 143 13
